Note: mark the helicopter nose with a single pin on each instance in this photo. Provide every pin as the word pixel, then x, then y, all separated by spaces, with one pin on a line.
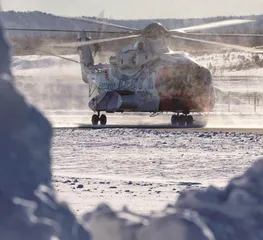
pixel 203 75
pixel 184 87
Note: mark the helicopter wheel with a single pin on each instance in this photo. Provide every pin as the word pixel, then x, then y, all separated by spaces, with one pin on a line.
pixel 103 119
pixel 189 120
pixel 181 120
pixel 174 120
pixel 95 119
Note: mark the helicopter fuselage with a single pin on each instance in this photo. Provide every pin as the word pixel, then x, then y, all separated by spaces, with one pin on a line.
pixel 148 77
pixel 170 83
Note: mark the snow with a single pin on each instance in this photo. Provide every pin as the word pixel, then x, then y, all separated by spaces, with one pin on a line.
pixel 36 65
pixel 145 165
pixel 233 212
pixel 232 64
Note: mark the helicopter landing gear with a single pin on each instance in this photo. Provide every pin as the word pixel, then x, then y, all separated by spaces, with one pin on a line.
pixel 182 120
pixel 103 120
pixel 189 120
pixel 96 118
pixel 175 120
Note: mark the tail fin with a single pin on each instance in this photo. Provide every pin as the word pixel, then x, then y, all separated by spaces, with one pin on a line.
pixel 85 54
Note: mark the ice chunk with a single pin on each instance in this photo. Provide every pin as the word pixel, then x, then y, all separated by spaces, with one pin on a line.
pixel 18 222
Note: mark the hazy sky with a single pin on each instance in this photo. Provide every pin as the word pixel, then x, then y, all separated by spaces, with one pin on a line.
pixel 130 9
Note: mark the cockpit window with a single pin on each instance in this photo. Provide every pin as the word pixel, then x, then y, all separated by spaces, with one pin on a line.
pixel 128 48
pixel 135 45
pixel 139 46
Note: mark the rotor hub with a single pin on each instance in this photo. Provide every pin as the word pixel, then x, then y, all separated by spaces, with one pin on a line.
pixel 155 31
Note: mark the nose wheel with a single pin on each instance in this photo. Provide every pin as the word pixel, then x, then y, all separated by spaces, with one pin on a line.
pixel 96 118
pixel 182 120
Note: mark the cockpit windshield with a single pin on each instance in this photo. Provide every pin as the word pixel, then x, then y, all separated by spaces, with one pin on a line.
pixel 135 46
pixel 128 48
pixel 139 45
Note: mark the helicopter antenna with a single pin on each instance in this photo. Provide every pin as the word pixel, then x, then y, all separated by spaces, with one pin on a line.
pixel 101 29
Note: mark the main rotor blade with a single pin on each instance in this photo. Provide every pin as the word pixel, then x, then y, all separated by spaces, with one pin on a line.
pixel 58 56
pixel 248 35
pixel 81 44
pixel 50 53
pixel 59 30
pixel 230 46
pixel 211 25
pixel 102 23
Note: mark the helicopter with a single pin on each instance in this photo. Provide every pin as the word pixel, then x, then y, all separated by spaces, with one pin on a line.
pixel 148 76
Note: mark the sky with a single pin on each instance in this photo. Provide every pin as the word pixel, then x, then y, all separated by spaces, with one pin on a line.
pixel 135 9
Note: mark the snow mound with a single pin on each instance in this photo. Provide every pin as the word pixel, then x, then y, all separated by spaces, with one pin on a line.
pixel 232 64
pixel 29 209
pixel 35 61
pixel 27 64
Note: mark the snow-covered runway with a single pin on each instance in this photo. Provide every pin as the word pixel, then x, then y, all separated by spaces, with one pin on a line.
pixel 145 169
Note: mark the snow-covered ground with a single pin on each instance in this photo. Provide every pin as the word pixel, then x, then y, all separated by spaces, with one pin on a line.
pixel 145 169
pixel 45 66
pixel 74 119
pixel 232 64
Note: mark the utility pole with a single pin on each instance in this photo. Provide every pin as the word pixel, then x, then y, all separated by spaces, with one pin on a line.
pixel 255 101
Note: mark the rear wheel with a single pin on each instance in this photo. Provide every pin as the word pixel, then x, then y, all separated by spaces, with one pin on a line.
pixel 181 121
pixel 103 119
pixel 189 120
pixel 95 119
pixel 174 120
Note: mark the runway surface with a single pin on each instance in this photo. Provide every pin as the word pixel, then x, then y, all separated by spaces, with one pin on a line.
pixel 225 122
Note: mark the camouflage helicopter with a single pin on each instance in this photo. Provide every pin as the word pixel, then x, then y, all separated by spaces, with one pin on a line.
pixel 147 76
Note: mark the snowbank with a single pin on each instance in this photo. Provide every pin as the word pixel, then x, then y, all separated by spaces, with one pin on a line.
pixel 234 212
pixel 232 64
pixel 37 61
